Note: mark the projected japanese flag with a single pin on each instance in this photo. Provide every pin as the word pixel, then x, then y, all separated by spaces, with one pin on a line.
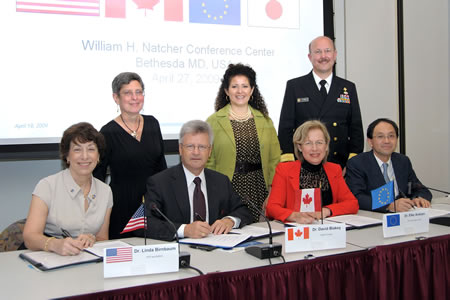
pixel 273 13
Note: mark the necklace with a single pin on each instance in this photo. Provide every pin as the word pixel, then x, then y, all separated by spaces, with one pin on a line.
pixel 133 132
pixel 241 118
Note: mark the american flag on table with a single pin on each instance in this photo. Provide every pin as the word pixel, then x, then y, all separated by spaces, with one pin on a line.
pixel 115 255
pixel 63 7
pixel 137 221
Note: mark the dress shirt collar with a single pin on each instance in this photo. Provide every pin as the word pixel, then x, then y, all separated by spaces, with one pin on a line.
pixel 391 172
pixel 380 162
pixel 317 79
pixel 73 188
pixel 190 177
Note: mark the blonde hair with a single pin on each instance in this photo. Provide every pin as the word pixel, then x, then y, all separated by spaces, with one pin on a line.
pixel 301 134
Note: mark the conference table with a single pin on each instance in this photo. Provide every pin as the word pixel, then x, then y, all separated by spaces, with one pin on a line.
pixel 415 266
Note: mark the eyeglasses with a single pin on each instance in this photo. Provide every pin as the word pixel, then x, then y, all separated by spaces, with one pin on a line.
pixel 310 144
pixel 383 137
pixel 320 51
pixel 129 93
pixel 191 147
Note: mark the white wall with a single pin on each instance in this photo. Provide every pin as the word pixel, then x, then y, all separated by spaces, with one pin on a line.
pixel 370 48
pixel 426 25
pixel 17 181
pixel 371 57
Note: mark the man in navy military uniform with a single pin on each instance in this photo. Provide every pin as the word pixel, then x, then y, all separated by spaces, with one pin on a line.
pixel 323 96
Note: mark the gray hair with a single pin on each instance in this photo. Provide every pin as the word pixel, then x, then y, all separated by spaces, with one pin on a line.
pixel 194 127
pixel 125 78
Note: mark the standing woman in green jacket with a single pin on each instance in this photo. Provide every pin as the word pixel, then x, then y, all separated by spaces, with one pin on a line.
pixel 245 146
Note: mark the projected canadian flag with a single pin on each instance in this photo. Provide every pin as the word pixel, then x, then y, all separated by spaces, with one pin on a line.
pixel 173 9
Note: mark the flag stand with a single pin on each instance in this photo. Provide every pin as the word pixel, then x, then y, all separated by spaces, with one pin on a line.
pixel 145 222
pixel 321 202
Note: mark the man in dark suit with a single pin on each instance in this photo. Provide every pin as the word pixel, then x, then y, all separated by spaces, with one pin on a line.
pixel 323 96
pixel 370 170
pixel 191 196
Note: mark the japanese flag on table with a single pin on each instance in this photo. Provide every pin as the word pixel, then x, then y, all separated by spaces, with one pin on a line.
pixel 307 200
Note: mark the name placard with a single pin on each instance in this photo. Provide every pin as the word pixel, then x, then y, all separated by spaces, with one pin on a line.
pixel 140 260
pixel 405 223
pixel 315 237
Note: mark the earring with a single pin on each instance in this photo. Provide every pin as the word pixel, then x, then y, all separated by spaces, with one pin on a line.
pixel 227 98
pixel 117 108
pixel 251 98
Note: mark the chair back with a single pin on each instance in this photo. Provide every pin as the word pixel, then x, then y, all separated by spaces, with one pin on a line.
pixel 12 237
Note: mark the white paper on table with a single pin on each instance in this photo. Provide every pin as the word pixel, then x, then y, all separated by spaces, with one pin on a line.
pixel 355 220
pixel 219 240
pixel 316 222
pixel 432 212
pixel 255 231
pixel 97 249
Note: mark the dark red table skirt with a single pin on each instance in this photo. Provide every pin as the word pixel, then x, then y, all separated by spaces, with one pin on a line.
pixel 411 270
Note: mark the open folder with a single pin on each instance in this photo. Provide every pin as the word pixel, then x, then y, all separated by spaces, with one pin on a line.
pixel 46 261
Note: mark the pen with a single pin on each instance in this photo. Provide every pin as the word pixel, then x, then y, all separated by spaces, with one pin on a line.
pixel 404 196
pixel 198 217
pixel 65 233
pixel 203 247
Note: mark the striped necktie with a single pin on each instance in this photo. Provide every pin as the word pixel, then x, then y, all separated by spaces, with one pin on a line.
pixel 385 172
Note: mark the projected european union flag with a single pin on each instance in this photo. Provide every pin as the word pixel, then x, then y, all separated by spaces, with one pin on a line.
pixel 225 12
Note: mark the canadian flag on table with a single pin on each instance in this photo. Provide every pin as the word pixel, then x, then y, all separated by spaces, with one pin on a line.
pixel 307 200
pixel 298 233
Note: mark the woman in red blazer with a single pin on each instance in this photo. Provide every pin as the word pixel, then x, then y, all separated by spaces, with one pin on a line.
pixel 311 142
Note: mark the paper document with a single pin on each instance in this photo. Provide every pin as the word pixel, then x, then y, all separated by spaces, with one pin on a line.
pixel 355 220
pixel 97 249
pixel 433 213
pixel 317 222
pixel 256 231
pixel 219 240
